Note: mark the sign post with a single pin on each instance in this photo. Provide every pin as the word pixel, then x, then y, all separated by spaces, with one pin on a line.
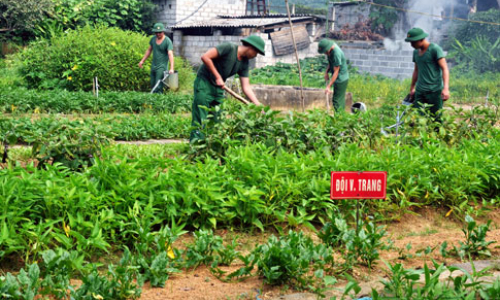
pixel 358 185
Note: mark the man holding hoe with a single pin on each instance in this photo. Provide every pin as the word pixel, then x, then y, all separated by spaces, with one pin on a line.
pixel 337 66
pixel 220 63
pixel 163 53
pixel 430 81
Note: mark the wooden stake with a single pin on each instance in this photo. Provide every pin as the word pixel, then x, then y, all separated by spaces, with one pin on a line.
pixel 296 55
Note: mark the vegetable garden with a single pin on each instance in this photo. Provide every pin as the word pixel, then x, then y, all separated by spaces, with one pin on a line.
pixel 83 217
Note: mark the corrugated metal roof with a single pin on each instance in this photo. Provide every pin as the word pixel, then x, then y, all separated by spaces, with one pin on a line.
pixel 262 17
pixel 241 22
pixel 346 3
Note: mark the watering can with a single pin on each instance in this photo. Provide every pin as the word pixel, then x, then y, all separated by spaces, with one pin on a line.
pixel 170 80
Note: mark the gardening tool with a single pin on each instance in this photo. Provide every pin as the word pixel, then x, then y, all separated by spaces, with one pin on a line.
pixel 95 87
pixel 170 80
pixel 407 101
pixel 238 97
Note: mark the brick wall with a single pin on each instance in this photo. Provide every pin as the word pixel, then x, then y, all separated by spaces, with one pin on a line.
pixel 394 64
pixel 172 11
pixel 192 47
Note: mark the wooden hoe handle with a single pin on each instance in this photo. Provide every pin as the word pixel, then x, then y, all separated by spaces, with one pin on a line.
pixel 238 97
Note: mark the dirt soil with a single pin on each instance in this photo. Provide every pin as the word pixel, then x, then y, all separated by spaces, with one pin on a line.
pixel 427 228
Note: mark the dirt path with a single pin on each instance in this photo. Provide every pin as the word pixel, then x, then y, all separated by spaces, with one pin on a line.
pixel 141 142
pixel 150 142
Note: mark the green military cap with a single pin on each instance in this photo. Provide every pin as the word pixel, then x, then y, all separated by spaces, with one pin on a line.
pixel 158 27
pixel 255 41
pixel 415 34
pixel 325 45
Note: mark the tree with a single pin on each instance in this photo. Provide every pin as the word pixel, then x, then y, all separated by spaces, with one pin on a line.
pixel 382 18
pixel 23 16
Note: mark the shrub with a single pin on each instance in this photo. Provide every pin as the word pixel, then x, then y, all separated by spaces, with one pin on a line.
pixel 73 59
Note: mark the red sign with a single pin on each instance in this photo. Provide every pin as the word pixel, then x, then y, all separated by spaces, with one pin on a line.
pixel 358 185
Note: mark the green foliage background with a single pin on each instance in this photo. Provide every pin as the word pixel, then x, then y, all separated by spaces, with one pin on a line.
pixel 20 18
pixel 476 46
pixel 29 19
pixel 466 32
pixel 73 59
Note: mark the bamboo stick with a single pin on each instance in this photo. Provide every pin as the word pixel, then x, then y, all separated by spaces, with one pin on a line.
pixel 296 55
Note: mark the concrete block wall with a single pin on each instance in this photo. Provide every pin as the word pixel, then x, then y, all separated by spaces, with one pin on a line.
pixel 394 64
pixel 193 47
pixel 165 11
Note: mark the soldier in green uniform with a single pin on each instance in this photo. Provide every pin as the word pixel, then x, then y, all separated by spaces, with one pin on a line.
pixel 163 53
pixel 220 63
pixel 430 81
pixel 337 67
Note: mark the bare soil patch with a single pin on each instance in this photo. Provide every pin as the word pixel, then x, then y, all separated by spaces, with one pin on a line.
pixel 427 228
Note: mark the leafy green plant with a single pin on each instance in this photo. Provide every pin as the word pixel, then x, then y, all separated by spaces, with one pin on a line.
pixel 404 253
pixel 23 287
pixel 20 100
pixel 475 239
pixel 479 55
pixel 289 259
pixel 75 147
pixel 9 287
pixel 428 284
pixel 227 253
pixel 363 244
pixel 203 250
pixel 335 232
pixel 491 291
pixel 119 284
pixel 368 242
pixel 121 127
pixel 154 251
pixel 58 269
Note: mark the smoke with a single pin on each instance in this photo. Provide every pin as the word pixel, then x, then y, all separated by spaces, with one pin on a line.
pixel 429 19
pixel 430 24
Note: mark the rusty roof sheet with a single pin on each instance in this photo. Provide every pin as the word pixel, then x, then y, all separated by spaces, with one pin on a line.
pixel 243 22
